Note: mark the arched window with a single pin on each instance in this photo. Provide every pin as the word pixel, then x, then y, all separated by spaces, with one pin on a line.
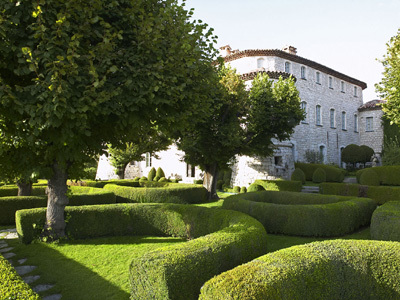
pixel 287 67
pixel 303 106
pixel 318 119
pixel 344 120
pixel 332 118
pixel 260 63
pixel 303 72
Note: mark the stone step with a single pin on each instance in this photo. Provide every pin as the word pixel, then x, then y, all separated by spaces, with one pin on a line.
pixel 53 297
pixel 22 270
pixel 42 287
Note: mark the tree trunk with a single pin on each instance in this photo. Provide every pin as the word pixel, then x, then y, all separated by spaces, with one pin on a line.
pixel 210 181
pixel 56 202
pixel 24 188
pixel 121 173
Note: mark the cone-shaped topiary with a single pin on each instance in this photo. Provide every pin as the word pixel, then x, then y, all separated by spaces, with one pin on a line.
pixel 236 189
pixel 298 175
pixel 160 173
pixel 152 174
pixel 254 187
pixel 319 176
pixel 369 177
pixel 243 190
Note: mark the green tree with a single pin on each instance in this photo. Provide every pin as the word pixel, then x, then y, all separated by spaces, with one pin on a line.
pixel 389 87
pixel 241 123
pixel 76 75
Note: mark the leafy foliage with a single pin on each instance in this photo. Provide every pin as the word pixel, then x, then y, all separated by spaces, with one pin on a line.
pixel 357 154
pixel 314 157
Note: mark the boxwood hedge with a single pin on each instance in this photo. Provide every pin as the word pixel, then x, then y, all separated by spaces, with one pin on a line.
pixel 333 174
pixel 176 193
pixel 102 183
pixel 388 175
pixel 12 190
pixel 385 222
pixel 218 241
pixel 280 185
pixel 381 194
pixel 79 196
pixel 338 269
pixel 11 284
pixel 304 214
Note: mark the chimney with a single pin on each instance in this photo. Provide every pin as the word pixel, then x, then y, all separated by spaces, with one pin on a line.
pixel 225 50
pixel 290 50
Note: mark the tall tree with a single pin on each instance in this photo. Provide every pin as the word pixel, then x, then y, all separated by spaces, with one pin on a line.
pixel 76 75
pixel 389 87
pixel 242 123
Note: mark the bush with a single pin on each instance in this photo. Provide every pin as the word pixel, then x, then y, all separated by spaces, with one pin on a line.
pixel 198 181
pixel 11 284
pixel 319 176
pixel 177 193
pixel 385 222
pixel 219 184
pixel 388 175
pixel 280 185
pixel 137 178
pixel 254 187
pixel 304 214
pixel 333 174
pixel 163 179
pixel 314 157
pixel 157 178
pixel 368 152
pixel 298 175
pixel 338 269
pixel 12 190
pixel 236 189
pixel 351 154
pixel 243 190
pixel 160 173
pixel 369 177
pixel 102 183
pixel 218 241
pixel 152 174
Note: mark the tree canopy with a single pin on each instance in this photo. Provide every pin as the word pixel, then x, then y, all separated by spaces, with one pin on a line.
pixel 76 75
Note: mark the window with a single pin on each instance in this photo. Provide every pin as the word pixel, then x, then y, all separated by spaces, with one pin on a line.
pixel 318 77
pixel 369 124
pixel 148 160
pixel 260 63
pixel 343 120
pixel 278 161
pixel 355 91
pixel 318 115
pixel 287 67
pixel 355 123
pixel 332 117
pixel 342 86
pixel 190 171
pixel 303 106
pixel 330 82
pixel 303 72
pixel 322 153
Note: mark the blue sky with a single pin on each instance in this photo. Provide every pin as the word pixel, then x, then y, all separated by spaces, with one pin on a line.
pixel 345 35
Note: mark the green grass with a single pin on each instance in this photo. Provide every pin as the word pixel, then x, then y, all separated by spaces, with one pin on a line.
pixel 87 269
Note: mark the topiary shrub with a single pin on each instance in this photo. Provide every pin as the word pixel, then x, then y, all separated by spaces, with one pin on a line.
pixel 369 177
pixel 198 181
pixel 385 222
pixel 333 173
pixel 243 190
pixel 280 185
pixel 157 178
pixel 236 189
pixel 338 269
pixel 152 174
pixel 319 176
pixel 298 175
pixel 160 173
pixel 137 178
pixel 254 187
pixel 367 152
pixel 163 179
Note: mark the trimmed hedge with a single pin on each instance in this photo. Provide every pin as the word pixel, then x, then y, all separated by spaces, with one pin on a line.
pixel 388 175
pixel 381 194
pixel 80 196
pixel 218 241
pixel 338 269
pixel 385 222
pixel 174 193
pixel 11 284
pixel 319 176
pixel 298 175
pixel 12 190
pixel 280 185
pixel 369 177
pixel 102 183
pixel 333 174
pixel 304 214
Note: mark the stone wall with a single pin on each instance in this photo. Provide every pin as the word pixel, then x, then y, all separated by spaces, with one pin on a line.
pixel 374 137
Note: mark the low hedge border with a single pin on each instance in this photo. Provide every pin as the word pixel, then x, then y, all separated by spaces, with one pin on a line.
pixel 218 241
pixel 333 174
pixel 176 193
pixel 79 196
pixel 280 185
pixel 388 175
pixel 102 183
pixel 338 269
pixel 381 194
pixel 385 222
pixel 12 190
pixel 11 284
pixel 304 214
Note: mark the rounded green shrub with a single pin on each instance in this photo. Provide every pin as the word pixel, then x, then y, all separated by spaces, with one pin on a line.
pixel 298 175
pixel 160 173
pixel 243 190
pixel 319 176
pixel 385 222
pixel 156 178
pixel 163 179
pixel 236 189
pixel 254 187
pixel 337 269
pixel 333 173
pixel 137 178
pixel 143 178
pixel 152 174
pixel 369 177
pixel 367 152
